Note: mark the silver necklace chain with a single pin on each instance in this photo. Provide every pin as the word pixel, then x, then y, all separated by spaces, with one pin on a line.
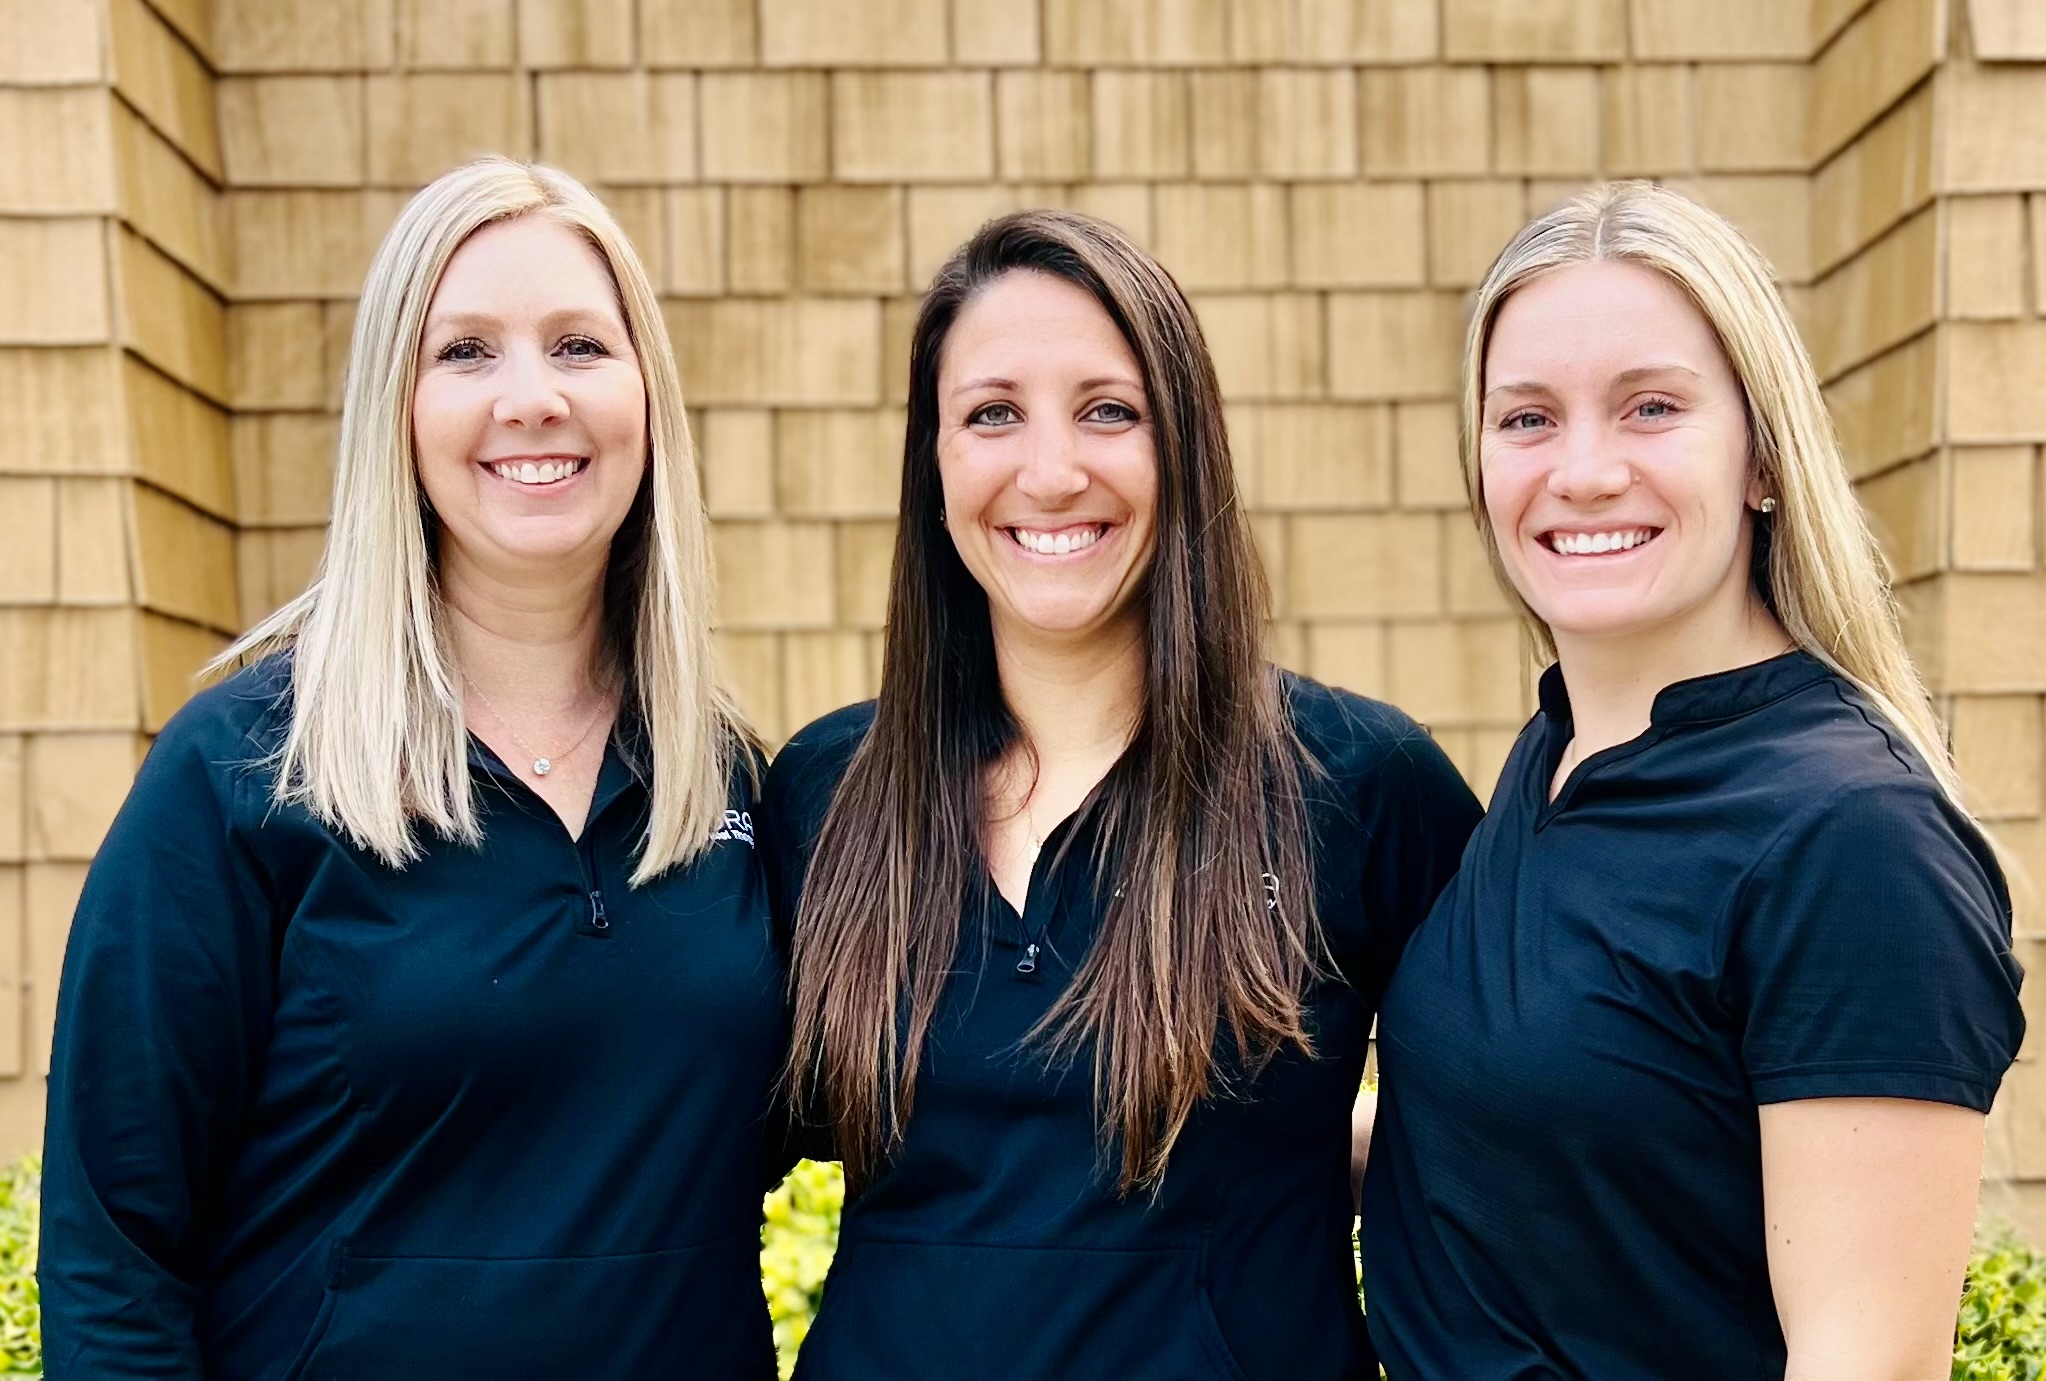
pixel 542 763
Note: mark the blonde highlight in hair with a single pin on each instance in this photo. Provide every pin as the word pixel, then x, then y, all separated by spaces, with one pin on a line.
pixel 377 744
pixel 1818 566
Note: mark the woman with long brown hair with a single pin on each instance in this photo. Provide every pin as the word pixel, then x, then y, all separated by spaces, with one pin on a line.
pixel 1092 906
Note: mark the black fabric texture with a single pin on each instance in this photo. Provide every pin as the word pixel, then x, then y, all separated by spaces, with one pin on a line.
pixel 496 1115
pixel 996 1243
pixel 1765 897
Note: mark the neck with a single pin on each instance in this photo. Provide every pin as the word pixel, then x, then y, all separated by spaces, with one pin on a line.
pixel 534 635
pixel 1075 700
pixel 1613 681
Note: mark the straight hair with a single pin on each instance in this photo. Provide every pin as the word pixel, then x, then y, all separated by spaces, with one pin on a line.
pixel 1817 566
pixel 1191 963
pixel 377 745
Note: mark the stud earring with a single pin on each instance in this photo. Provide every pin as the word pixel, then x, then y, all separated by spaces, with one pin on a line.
pixel 1769 504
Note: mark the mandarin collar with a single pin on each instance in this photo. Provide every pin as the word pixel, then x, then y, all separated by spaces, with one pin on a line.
pixel 1703 699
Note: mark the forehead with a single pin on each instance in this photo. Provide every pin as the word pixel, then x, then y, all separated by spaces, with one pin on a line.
pixel 527 266
pixel 1024 318
pixel 1597 320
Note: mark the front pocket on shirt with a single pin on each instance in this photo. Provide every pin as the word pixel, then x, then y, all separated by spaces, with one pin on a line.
pixel 912 1311
pixel 692 1311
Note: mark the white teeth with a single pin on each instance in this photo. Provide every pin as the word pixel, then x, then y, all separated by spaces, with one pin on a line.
pixel 1056 544
pixel 1597 543
pixel 527 472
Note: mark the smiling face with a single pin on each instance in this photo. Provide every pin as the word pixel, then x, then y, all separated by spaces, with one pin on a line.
pixel 529 416
pixel 1046 456
pixel 1614 458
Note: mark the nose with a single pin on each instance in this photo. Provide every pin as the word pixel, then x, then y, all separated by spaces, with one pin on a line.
pixel 529 395
pixel 1590 467
pixel 1052 474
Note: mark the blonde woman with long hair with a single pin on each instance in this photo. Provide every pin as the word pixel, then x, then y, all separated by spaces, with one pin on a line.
pixel 421 1016
pixel 1685 1075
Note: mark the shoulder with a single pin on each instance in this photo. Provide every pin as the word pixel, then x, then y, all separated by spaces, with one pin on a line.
pixel 1340 728
pixel 234 725
pixel 1829 730
pixel 1352 740
pixel 807 770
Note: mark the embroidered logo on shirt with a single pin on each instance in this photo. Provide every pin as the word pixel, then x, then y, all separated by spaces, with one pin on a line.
pixel 738 824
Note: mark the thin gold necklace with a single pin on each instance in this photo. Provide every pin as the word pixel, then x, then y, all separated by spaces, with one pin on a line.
pixel 542 763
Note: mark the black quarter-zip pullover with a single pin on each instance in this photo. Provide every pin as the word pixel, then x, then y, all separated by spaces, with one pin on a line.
pixel 498 1114
pixel 995 1242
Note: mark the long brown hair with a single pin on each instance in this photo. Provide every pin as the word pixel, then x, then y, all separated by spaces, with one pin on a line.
pixel 1201 811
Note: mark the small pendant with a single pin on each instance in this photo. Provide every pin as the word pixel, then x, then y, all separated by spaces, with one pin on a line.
pixel 542 766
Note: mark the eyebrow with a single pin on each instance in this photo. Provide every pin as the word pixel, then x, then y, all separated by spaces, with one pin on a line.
pixel 465 321
pixel 1005 385
pixel 1626 376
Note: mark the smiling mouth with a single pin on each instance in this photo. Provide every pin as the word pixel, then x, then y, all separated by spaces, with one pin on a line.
pixel 1598 543
pixel 538 473
pixel 1064 542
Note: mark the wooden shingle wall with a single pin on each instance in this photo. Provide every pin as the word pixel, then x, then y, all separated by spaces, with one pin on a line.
pixel 190 191
pixel 117 502
pixel 1980 610
pixel 1327 178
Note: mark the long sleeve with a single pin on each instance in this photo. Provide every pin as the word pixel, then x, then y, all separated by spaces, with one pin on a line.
pixel 165 1005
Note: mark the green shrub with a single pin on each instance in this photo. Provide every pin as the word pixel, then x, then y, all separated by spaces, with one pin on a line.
pixel 797 1237
pixel 21 1302
pixel 2001 1335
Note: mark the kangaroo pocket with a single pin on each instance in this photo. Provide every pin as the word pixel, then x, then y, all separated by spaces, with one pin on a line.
pixel 909 1311
pixel 693 1311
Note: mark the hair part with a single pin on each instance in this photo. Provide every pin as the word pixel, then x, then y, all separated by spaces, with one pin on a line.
pixel 377 744
pixel 1817 566
pixel 1190 964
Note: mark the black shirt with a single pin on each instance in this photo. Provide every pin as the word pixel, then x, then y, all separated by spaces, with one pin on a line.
pixel 1764 897
pixel 499 1114
pixel 995 1242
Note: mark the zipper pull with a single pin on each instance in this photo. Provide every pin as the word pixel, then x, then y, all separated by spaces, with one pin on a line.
pixel 1028 963
pixel 598 920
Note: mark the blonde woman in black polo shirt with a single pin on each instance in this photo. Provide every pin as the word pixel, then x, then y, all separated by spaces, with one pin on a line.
pixel 1685 1074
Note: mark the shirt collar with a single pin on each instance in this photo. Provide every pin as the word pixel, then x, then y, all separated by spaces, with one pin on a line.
pixel 1703 699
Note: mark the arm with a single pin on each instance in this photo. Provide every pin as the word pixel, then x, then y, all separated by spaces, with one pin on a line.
pixel 1870 1205
pixel 1363 1113
pixel 165 999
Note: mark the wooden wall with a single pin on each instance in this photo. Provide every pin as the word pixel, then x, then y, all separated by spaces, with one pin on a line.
pixel 190 191
pixel 117 497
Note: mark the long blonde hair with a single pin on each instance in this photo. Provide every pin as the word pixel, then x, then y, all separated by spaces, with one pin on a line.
pixel 377 743
pixel 1818 567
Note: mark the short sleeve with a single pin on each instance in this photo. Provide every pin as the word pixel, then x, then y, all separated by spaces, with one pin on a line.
pixel 1415 815
pixel 1873 956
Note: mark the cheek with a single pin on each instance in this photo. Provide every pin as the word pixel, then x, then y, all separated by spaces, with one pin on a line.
pixel 1505 489
pixel 442 423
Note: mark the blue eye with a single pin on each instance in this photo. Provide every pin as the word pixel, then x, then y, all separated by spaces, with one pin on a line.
pixel 1655 409
pixel 582 348
pixel 1522 422
pixel 468 350
pixel 1121 413
pixel 992 415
